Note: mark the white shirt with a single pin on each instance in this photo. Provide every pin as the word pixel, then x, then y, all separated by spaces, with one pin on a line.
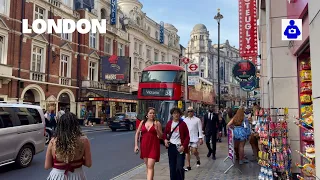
pixel 195 127
pixel 210 115
pixel 175 138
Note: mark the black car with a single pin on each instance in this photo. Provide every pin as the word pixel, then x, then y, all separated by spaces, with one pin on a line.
pixel 123 121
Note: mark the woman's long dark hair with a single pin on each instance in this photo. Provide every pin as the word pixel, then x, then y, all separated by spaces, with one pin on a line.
pixel 68 132
pixel 146 115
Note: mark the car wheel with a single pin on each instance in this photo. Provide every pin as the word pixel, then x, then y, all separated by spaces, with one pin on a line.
pixel 25 156
pixel 131 127
pixel 113 129
pixel 48 136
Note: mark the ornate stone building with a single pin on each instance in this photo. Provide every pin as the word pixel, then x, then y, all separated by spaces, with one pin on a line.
pixel 144 37
pixel 205 55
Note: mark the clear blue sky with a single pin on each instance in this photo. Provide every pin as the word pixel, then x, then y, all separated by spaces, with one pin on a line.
pixel 184 14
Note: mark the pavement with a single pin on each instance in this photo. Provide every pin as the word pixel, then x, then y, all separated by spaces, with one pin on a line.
pixel 112 154
pixel 208 170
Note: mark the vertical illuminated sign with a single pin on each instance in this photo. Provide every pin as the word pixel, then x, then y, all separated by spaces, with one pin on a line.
pixel 161 32
pixel 113 15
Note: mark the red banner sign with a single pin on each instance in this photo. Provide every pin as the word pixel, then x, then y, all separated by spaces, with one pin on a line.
pixel 248 37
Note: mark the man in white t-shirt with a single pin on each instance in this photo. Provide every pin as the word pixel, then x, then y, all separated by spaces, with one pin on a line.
pixel 195 131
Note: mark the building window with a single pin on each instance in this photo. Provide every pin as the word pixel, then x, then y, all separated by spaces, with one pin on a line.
pixel 227 72
pixel 135 61
pixel 93 71
pixel 38 12
pixel 135 76
pixel 148 53
pixel 64 66
pixel 92 42
pixel 138 21
pixel 103 13
pixel 140 49
pixel 67 3
pixel 120 49
pixel 156 35
pixel 140 65
pixel 4 7
pixel 163 58
pixel 2 60
pixel 202 73
pixel 148 29
pixel 37 59
pixel 67 36
pixel 135 47
pixel 156 56
pixel 107 45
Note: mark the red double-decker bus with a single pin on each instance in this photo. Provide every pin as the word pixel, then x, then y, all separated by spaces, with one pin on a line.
pixel 162 87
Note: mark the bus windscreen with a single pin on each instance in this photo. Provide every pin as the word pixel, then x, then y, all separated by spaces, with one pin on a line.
pixel 159 76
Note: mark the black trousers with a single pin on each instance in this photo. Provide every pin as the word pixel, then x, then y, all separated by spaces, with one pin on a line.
pixel 213 137
pixel 225 127
pixel 176 163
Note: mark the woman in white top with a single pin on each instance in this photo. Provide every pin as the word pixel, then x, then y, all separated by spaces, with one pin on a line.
pixel 68 151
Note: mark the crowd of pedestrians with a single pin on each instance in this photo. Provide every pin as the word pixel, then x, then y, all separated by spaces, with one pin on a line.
pixel 69 150
pixel 185 132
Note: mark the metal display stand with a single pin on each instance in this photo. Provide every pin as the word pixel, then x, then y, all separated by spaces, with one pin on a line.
pixel 230 151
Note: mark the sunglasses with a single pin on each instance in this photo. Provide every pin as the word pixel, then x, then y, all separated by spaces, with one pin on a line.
pixel 190 111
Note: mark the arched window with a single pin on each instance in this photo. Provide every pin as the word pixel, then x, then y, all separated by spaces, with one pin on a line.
pixel 103 13
pixel 157 35
pixel 138 21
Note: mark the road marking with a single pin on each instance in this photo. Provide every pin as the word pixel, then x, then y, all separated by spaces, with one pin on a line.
pixel 88 131
pixel 91 139
pixel 123 134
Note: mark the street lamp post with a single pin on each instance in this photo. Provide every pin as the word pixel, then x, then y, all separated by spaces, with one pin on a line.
pixel 218 17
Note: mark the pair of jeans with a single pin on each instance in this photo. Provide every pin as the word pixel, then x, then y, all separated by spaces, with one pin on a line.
pixel 176 163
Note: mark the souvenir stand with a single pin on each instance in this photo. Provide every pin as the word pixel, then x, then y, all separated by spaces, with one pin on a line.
pixel 308 151
pixel 305 122
pixel 275 153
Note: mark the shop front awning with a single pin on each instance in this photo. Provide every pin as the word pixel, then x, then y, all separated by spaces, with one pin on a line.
pixel 111 96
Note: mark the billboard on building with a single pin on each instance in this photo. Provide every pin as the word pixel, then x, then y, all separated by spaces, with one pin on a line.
pixel 248 36
pixel 115 69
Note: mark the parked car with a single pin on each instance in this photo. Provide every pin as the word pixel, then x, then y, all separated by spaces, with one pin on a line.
pixel 123 121
pixel 22 133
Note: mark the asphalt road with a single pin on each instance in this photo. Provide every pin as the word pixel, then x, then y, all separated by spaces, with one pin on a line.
pixel 112 154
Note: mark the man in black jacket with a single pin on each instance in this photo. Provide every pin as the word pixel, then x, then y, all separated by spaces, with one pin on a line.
pixel 210 129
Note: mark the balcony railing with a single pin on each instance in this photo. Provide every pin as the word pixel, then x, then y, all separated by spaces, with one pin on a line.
pixel 65 81
pixel 37 76
pixel 94 84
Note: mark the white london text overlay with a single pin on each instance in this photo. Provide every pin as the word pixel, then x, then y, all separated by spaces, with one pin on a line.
pixel 83 26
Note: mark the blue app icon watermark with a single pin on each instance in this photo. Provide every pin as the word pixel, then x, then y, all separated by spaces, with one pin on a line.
pixel 291 29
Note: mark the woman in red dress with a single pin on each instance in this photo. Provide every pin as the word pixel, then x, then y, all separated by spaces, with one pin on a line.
pixel 151 132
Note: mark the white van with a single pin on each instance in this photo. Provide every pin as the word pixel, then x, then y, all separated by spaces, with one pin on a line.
pixel 22 133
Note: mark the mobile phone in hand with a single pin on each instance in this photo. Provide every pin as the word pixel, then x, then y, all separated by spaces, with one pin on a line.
pixel 137 151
